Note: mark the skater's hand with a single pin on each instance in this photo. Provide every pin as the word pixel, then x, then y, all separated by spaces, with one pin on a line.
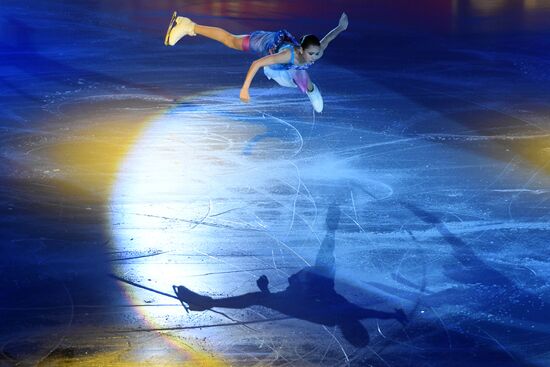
pixel 343 24
pixel 263 284
pixel 245 97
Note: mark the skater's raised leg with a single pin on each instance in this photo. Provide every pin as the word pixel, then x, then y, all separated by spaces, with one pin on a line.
pixel 178 28
pixel 221 35
pixel 182 26
pixel 304 83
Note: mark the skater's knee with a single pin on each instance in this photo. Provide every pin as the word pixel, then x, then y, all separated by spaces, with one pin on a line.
pixel 235 42
pixel 223 36
pixel 302 86
pixel 301 79
pixel 231 41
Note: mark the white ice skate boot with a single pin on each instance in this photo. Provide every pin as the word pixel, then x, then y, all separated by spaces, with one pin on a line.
pixel 316 99
pixel 177 29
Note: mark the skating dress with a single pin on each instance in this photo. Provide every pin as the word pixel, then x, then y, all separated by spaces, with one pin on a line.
pixel 268 43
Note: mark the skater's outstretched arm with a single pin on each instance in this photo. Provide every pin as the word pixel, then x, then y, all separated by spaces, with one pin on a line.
pixel 282 57
pixel 342 26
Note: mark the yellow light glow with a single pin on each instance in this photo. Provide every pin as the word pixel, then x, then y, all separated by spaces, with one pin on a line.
pixel 79 160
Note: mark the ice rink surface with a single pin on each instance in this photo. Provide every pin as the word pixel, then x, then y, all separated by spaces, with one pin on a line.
pixel 129 167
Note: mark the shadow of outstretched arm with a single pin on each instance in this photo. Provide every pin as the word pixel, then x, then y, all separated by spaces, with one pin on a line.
pixel 310 295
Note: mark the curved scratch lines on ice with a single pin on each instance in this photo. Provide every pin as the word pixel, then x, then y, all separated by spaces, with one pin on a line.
pixel 194 187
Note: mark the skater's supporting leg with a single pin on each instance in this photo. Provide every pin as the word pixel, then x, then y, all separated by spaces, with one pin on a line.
pixel 324 262
pixel 221 35
pixel 325 257
pixel 304 83
pixel 302 80
pixel 315 97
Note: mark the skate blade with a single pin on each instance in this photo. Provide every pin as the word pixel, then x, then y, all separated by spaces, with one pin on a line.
pixel 170 26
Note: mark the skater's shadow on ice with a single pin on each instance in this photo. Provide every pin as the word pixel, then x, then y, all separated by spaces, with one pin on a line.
pixel 310 295
pixel 479 287
pixel 485 283
pixel 481 306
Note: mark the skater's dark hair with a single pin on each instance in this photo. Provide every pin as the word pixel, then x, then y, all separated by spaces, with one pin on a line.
pixel 309 40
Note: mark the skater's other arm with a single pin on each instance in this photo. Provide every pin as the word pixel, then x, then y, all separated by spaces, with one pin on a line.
pixel 282 57
pixel 342 26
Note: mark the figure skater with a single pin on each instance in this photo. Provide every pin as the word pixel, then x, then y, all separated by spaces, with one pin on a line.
pixel 283 58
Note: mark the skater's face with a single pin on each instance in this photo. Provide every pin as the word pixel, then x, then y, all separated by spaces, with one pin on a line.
pixel 311 53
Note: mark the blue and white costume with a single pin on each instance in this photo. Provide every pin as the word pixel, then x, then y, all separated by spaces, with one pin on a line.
pixel 268 43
